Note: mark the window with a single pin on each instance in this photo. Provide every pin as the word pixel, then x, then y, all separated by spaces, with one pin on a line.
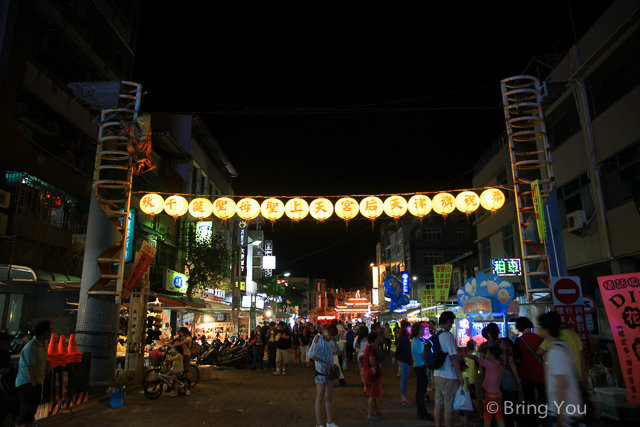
pixel 485 252
pixel 619 173
pixel 432 233
pixel 433 258
pixel 461 234
pixel 508 244
pixel 574 196
pixel 563 122
pixel 429 282
pixel 615 77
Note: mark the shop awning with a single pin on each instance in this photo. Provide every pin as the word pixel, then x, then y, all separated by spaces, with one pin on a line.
pixel 20 273
pixel 175 302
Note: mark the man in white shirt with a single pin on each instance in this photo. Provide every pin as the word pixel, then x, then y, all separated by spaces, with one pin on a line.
pixel 449 377
pixel 563 391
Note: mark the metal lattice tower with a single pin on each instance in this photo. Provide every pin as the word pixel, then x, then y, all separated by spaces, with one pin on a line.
pixel 112 178
pixel 530 160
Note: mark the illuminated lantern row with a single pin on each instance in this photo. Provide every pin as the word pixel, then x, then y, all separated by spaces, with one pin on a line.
pixel 321 209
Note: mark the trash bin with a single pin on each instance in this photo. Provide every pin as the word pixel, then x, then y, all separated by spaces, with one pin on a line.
pixel 117 397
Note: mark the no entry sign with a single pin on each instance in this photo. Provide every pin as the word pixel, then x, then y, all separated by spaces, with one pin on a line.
pixel 566 291
pixel 589 304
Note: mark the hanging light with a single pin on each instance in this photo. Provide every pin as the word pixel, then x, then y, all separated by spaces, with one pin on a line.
pixel 347 209
pixel 272 209
pixel 467 202
pixel 444 204
pixel 248 209
pixel 395 207
pixel 420 206
pixel 321 209
pixel 371 207
pixel 296 209
pixel 152 204
pixel 224 208
pixel 492 199
pixel 176 206
pixel 200 208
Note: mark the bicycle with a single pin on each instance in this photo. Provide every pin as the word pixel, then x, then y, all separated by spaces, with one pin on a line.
pixel 154 389
pixel 158 360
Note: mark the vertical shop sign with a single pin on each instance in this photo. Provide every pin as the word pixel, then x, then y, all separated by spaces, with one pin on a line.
pixel 428 299
pixel 268 251
pixel 140 266
pixel 406 288
pixel 242 235
pixel 538 208
pixel 243 260
pixel 567 298
pixel 621 297
pixel 128 249
pixel 442 278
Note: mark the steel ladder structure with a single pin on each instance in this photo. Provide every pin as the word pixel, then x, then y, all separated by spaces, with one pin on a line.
pixel 530 157
pixel 111 187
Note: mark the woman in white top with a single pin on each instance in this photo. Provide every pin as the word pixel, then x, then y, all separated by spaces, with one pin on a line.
pixel 360 345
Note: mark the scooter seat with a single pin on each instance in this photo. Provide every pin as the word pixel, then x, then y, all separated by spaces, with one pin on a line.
pixel 233 350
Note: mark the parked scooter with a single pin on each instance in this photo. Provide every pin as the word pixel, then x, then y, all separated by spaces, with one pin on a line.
pixel 220 355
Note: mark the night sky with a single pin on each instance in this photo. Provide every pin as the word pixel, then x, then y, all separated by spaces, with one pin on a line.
pixel 404 72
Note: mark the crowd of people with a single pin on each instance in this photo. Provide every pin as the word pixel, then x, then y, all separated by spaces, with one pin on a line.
pixel 533 371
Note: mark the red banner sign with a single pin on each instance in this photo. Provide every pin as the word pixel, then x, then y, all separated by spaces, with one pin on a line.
pixel 140 266
pixel 621 297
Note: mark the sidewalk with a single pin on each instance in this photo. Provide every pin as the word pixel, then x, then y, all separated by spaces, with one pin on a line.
pixel 252 398
pixel 249 398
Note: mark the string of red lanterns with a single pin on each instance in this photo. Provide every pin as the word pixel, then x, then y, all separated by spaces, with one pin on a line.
pixel 321 208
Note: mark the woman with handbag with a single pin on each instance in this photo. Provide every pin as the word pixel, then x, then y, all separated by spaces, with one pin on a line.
pixel 531 369
pixel 372 373
pixel 321 352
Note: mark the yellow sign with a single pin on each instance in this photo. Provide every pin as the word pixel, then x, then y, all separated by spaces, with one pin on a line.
pixel 538 208
pixel 442 279
pixel 428 299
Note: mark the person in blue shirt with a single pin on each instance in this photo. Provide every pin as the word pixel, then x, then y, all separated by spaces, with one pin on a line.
pixel 420 368
pixel 31 372
pixel 349 344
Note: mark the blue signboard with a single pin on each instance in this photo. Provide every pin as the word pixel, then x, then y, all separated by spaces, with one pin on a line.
pixel 128 249
pixel 406 287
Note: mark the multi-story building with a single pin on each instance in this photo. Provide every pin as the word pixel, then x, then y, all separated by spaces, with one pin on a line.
pixel 415 247
pixel 49 140
pixel 593 102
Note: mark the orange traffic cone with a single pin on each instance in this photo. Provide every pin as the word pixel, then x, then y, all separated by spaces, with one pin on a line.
pixel 52 353
pixel 63 351
pixel 72 351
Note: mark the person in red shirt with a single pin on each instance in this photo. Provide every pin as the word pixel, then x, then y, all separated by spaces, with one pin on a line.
pixel 372 373
pixel 530 368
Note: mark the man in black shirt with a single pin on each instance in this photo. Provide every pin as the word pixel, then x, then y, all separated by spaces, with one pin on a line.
pixel 283 344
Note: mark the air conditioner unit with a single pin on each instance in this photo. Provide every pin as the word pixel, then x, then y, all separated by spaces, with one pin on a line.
pixel 5 197
pixel 576 221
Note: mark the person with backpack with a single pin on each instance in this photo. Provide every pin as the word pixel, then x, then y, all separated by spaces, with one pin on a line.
pixel 419 367
pixel 447 374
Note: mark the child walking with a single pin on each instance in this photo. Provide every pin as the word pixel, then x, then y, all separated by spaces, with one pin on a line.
pixel 177 368
pixel 491 385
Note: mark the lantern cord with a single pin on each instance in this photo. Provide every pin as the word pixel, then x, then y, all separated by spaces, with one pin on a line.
pixel 500 187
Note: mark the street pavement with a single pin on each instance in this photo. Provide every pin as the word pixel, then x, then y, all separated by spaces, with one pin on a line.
pixel 253 399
